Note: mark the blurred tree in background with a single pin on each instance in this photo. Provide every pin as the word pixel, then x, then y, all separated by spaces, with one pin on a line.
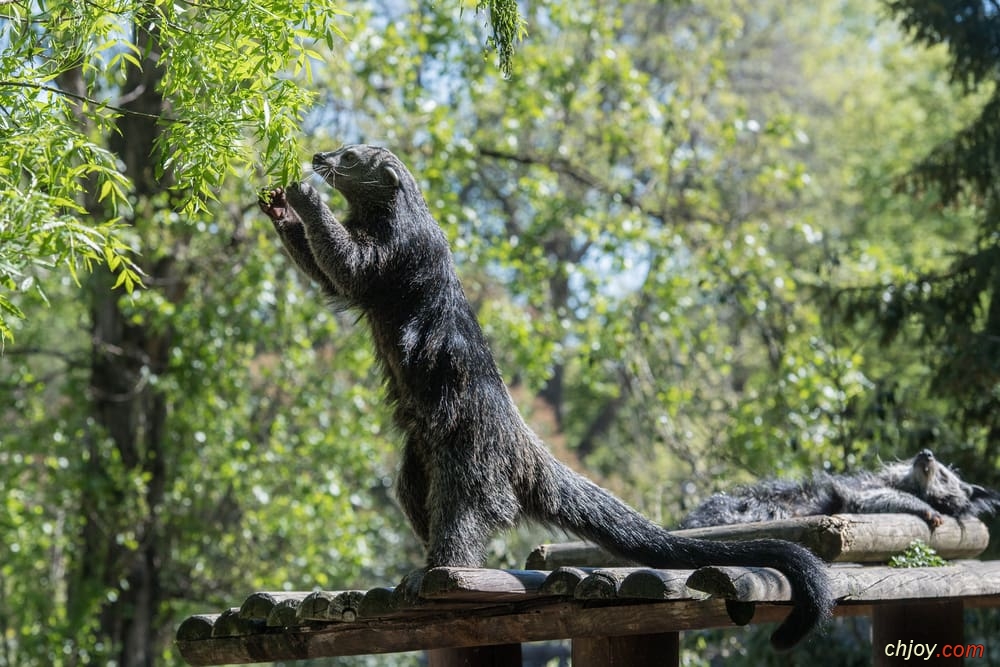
pixel 945 304
pixel 142 426
pixel 708 241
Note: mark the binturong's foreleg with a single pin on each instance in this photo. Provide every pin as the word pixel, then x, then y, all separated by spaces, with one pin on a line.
pixel 292 233
pixel 344 262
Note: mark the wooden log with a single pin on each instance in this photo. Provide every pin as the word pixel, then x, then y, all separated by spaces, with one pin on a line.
pixel 478 584
pixel 562 582
pixel 757 584
pixel 855 584
pixel 377 603
pixel 285 614
pixel 389 603
pixel 572 554
pixel 556 620
pixel 196 627
pixel 258 605
pixel 231 624
pixel 339 606
pixel 648 584
pixel 655 650
pixel 860 538
pixel 602 584
pixel 871 584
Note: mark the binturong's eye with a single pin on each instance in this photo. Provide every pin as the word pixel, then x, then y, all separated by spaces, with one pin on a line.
pixel 349 158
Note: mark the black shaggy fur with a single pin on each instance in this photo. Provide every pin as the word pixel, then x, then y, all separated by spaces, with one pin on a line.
pixel 470 465
pixel 922 486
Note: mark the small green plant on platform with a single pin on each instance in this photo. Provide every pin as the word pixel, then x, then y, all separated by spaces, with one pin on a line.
pixel 918 554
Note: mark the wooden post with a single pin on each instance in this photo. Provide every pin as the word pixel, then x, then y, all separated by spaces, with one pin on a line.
pixel 500 655
pixel 907 633
pixel 657 650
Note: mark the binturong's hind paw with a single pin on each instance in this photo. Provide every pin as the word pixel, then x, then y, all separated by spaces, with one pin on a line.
pixel 407 593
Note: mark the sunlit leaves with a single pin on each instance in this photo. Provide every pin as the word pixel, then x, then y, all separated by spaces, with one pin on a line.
pixel 659 190
pixel 235 108
pixel 508 28
pixel 641 214
pixel 230 81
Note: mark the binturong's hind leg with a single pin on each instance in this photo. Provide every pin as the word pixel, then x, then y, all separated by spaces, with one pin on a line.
pixel 459 528
pixel 466 509
pixel 412 489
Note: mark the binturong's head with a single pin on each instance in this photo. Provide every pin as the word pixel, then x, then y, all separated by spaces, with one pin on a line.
pixel 946 492
pixel 365 175
pixel 925 466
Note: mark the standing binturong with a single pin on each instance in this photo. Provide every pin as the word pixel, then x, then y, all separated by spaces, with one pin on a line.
pixel 470 465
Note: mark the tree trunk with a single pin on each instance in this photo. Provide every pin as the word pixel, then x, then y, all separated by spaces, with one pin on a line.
pixel 122 553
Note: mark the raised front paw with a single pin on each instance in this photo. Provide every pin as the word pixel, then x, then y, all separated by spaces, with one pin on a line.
pixel 273 203
pixel 302 194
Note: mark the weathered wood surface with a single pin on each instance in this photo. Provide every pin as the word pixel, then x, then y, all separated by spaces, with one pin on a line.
pixel 564 580
pixel 471 607
pixel 963 579
pixel 259 605
pixel 856 538
pixel 197 627
pixel 283 614
pixel 231 624
pixel 330 606
pixel 534 622
pixel 455 583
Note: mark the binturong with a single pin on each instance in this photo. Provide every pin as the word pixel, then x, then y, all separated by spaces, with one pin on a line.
pixel 922 486
pixel 470 465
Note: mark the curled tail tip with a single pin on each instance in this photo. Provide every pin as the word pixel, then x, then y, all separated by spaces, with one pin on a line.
pixel 785 641
pixel 791 632
pixel 805 616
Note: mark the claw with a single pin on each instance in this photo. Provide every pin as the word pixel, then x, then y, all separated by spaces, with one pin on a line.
pixel 273 203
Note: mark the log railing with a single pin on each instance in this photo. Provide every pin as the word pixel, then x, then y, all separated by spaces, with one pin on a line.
pixel 614 615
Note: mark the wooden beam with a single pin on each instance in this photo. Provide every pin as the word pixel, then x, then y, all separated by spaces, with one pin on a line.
pixel 909 633
pixel 483 607
pixel 421 632
pixel 855 584
pixel 856 538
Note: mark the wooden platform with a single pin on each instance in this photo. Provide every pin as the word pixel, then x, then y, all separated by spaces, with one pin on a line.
pixel 615 615
pixel 838 538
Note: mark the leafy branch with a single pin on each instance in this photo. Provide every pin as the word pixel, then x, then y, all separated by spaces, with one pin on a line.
pixel 508 28
pixel 97 104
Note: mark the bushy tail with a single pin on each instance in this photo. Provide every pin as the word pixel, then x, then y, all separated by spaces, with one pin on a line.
pixel 589 511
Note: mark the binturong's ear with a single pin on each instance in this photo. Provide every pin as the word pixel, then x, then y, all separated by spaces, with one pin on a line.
pixel 390 177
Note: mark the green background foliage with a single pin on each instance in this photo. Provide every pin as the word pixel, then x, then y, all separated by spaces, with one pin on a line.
pixel 708 241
